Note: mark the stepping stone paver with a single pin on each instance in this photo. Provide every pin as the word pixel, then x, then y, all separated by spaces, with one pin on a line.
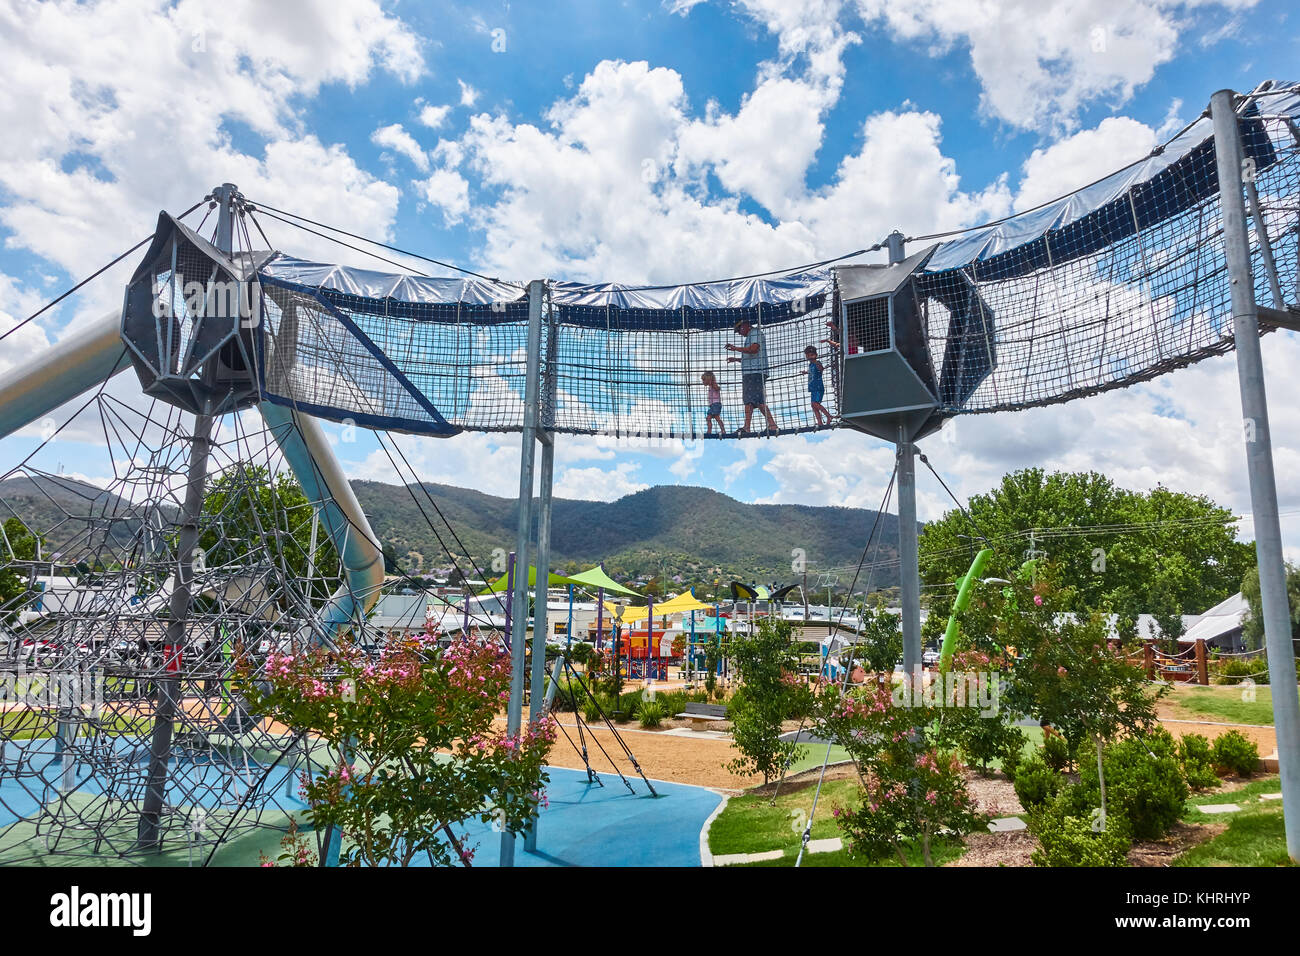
pixel 1270 796
pixel 829 845
pixel 1007 825
pixel 730 859
pixel 1220 808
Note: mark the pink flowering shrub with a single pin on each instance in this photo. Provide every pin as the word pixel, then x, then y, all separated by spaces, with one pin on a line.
pixel 913 784
pixel 295 850
pixel 412 745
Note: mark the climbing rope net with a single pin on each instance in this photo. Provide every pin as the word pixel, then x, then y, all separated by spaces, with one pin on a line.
pixel 430 355
pixel 87 571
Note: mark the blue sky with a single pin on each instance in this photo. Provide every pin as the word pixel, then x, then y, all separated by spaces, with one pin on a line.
pixel 514 138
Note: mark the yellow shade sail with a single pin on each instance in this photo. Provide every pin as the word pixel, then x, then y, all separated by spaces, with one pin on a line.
pixel 682 604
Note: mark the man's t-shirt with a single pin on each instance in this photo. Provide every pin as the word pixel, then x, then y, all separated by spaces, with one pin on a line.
pixel 756 362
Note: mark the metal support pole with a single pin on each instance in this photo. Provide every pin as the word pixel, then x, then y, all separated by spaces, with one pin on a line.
pixel 649 639
pixel 178 608
pixel 519 622
pixel 149 829
pixel 543 564
pixel 1259 461
pixel 909 570
pixel 536 699
pixel 510 595
pixel 568 628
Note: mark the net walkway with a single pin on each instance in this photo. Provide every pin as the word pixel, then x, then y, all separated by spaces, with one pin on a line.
pixel 1115 284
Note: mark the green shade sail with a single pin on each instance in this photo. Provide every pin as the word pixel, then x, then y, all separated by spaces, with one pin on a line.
pixel 592 579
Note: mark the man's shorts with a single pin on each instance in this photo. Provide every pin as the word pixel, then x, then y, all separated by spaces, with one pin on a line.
pixel 752 387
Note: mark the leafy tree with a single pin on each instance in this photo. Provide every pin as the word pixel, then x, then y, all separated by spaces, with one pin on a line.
pixel 1064 670
pixel 19 543
pixel 712 658
pixel 770 693
pixel 1252 628
pixel 913 785
pixel 581 653
pixel 983 736
pixel 258 514
pixel 881 645
pixel 1182 559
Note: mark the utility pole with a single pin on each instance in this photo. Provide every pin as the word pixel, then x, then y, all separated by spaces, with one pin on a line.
pixel 1259 458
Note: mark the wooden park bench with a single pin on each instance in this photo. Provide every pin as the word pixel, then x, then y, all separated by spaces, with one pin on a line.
pixel 704 712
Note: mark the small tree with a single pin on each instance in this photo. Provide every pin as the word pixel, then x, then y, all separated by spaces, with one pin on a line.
pixel 251 504
pixel 913 785
pixel 1065 671
pixel 770 693
pixel 388 726
pixel 581 654
pixel 712 658
pixel 881 645
pixel 1252 628
pixel 982 736
pixel 17 543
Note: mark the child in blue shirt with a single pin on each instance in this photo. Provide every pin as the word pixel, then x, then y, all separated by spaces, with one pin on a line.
pixel 816 387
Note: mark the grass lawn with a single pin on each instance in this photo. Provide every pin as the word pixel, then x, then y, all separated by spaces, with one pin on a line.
pixel 814 754
pixel 1222 703
pixel 749 825
pixel 1255 835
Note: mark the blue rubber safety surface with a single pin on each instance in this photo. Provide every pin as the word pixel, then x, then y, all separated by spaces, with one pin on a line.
pixel 32 773
pixel 584 824
pixel 589 825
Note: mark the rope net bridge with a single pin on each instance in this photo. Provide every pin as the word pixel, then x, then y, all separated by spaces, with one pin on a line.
pixel 1112 285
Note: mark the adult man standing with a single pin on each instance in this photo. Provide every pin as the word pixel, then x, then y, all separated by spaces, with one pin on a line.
pixel 753 373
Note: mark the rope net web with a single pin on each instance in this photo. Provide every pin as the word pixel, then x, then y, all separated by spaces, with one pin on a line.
pixel 88 567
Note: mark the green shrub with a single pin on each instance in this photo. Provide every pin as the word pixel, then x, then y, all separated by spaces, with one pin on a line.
pixel 1234 752
pixel 1011 760
pixel 1144 784
pixel 1055 751
pixel 1035 782
pixel 1198 763
pixel 650 713
pixel 590 710
pixel 1068 838
pixel 982 739
pixel 1234 670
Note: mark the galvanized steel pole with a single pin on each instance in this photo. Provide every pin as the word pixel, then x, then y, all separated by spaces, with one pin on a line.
pixel 523 531
pixel 909 569
pixel 1259 461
